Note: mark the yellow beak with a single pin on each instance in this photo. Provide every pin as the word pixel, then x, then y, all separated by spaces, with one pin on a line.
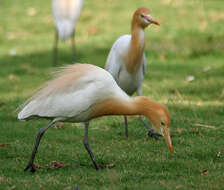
pixel 166 135
pixel 152 20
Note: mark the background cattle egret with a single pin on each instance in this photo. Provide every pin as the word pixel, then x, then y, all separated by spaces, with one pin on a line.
pixel 82 92
pixel 126 60
pixel 66 14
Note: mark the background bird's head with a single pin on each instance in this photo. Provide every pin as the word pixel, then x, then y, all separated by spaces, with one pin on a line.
pixel 143 18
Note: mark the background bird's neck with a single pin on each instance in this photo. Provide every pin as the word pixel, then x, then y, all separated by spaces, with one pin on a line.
pixel 136 50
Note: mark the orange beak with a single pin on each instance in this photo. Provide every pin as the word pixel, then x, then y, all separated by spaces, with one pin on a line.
pixel 166 135
pixel 152 20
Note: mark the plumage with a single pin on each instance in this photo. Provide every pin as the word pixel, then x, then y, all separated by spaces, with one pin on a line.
pixel 82 92
pixel 116 65
pixel 66 14
pixel 76 83
pixel 126 60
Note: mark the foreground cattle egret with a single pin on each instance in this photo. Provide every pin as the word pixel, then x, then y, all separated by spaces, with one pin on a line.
pixel 66 14
pixel 126 60
pixel 82 92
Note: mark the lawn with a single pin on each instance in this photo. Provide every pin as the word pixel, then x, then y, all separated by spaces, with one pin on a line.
pixel 185 71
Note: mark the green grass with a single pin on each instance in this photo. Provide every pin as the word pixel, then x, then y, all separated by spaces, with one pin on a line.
pixel 190 42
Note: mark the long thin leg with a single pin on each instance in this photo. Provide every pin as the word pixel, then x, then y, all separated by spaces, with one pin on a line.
pixel 144 123
pixel 86 144
pixel 55 48
pixel 126 126
pixel 38 138
pixel 151 132
pixel 73 46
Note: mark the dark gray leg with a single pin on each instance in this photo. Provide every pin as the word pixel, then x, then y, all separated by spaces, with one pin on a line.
pixel 151 132
pixel 73 46
pixel 55 48
pixel 126 126
pixel 39 135
pixel 86 144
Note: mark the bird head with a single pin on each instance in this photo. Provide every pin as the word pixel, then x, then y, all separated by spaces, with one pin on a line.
pixel 143 18
pixel 161 122
pixel 159 116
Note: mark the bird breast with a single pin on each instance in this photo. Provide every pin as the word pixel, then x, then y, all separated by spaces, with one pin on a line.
pixel 130 82
pixel 66 13
pixel 67 9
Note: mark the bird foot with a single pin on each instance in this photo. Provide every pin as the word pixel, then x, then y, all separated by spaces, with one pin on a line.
pixel 154 134
pixel 30 167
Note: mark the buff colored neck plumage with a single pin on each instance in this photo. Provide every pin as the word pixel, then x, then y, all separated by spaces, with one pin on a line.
pixel 136 50
pixel 140 105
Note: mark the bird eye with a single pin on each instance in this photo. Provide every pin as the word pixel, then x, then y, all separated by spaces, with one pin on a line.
pixel 162 123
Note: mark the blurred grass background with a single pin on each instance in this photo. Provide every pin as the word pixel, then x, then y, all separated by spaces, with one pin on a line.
pixel 185 71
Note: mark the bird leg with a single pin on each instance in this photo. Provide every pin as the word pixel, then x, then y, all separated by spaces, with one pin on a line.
pixel 55 48
pixel 126 126
pixel 86 144
pixel 30 166
pixel 73 46
pixel 151 132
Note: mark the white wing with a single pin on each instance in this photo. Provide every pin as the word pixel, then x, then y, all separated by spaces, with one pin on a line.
pixel 72 95
pixel 116 58
pixel 66 14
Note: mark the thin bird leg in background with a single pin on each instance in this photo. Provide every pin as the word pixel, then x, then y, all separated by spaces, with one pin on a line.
pixel 151 132
pixel 39 135
pixel 86 144
pixel 73 46
pixel 126 126
pixel 55 48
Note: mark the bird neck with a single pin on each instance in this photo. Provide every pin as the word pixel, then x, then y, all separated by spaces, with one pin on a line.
pixel 129 106
pixel 114 106
pixel 148 107
pixel 136 49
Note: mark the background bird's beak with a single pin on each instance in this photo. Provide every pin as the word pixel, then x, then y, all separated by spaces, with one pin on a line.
pixel 166 135
pixel 152 20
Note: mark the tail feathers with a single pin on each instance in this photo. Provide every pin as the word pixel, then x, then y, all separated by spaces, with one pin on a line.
pixel 23 115
pixel 65 29
pixel 28 111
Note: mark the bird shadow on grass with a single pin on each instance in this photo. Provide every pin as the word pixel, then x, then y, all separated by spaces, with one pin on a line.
pixel 43 59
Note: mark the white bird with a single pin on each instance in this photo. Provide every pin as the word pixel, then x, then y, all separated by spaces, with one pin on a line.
pixel 126 60
pixel 82 92
pixel 66 13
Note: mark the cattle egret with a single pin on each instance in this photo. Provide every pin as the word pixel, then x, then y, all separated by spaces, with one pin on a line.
pixel 126 60
pixel 66 14
pixel 82 92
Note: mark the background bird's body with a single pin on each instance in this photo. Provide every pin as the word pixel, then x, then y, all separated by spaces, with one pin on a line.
pixel 66 13
pixel 117 65
pixel 126 60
